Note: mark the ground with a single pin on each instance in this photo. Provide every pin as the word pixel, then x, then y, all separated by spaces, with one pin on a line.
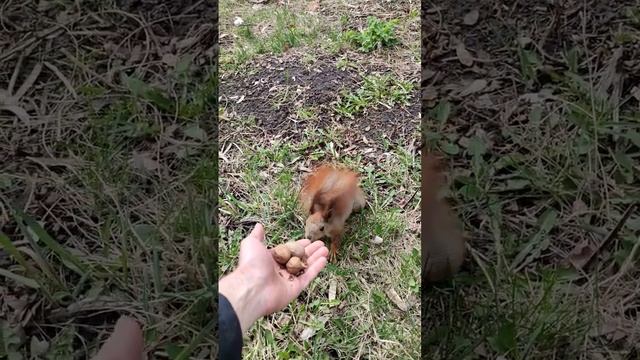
pixel 107 176
pixel 536 106
pixel 297 90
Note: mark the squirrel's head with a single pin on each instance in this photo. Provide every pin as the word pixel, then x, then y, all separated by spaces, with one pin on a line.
pixel 315 226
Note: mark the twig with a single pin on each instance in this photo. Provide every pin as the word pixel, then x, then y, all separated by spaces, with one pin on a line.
pixel 408 201
pixel 613 232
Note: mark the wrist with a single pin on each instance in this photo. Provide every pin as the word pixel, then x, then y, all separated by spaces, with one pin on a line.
pixel 245 296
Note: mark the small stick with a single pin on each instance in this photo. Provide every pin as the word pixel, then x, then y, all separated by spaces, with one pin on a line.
pixel 613 232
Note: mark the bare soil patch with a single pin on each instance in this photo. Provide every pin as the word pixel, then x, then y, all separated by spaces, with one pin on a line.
pixel 276 88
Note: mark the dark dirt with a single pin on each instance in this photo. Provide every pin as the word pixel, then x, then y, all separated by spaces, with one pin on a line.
pixel 317 85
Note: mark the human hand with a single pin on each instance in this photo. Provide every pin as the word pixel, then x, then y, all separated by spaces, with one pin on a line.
pixel 258 286
pixel 125 343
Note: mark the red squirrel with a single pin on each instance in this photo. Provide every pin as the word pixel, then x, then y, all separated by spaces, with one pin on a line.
pixel 328 197
pixel 443 243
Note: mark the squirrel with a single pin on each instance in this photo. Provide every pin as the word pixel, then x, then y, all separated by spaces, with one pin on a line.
pixel 328 197
pixel 443 243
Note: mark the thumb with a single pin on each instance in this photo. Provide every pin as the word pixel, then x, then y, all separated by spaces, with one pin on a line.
pixel 257 233
pixel 125 343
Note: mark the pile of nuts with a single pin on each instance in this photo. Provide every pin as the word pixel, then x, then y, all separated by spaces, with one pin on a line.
pixel 292 256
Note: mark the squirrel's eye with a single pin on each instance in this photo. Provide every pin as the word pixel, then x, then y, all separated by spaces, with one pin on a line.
pixel 322 228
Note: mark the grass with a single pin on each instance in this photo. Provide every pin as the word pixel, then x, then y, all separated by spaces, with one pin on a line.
pixel 554 175
pixel 266 189
pixel 112 214
pixel 376 35
pixel 376 90
pixel 268 31
pixel 264 165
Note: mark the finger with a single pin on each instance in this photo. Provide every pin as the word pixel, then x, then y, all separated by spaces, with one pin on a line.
pixel 321 252
pixel 312 272
pixel 125 342
pixel 312 247
pixel 304 243
pixel 257 233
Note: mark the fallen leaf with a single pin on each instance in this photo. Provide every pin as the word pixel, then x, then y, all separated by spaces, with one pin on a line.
pixel 195 132
pixel 538 242
pixel 62 78
pixel 17 111
pixel 307 333
pixel 607 326
pixel 475 86
pixel 579 207
pixel 464 55
pixel 472 17
pixel 581 254
pixel 186 42
pixel 313 6
pixel 429 93
pixel 67 162
pixel 393 296
pixel 484 102
pixel 635 91
pixel 26 85
pixel 38 347
pixel 332 289
pixel 135 56
pixel 143 161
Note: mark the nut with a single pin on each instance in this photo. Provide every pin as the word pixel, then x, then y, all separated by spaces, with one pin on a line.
pixel 296 249
pixel 281 254
pixel 295 265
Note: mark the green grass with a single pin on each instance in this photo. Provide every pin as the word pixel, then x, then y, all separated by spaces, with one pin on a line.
pixel 522 197
pixel 268 31
pixel 140 211
pixel 361 318
pixel 376 90
pixel 376 35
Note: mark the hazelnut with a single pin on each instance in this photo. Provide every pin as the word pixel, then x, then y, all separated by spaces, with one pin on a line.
pixel 296 249
pixel 295 265
pixel 281 254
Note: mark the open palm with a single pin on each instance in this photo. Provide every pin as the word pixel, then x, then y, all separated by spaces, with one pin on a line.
pixel 280 288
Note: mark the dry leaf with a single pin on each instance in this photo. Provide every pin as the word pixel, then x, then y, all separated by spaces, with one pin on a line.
pixel 170 59
pixel 464 55
pixel 484 102
pixel 28 82
pixel 472 17
pixel 475 87
pixel 579 207
pixel 63 78
pixel 67 162
pixel 393 296
pixel 17 111
pixel 143 161
pixel 307 333
pixel 581 254
pixel 135 56
pixel 332 289
pixel 313 6
pixel 185 43
pixel 635 91
pixel 429 93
